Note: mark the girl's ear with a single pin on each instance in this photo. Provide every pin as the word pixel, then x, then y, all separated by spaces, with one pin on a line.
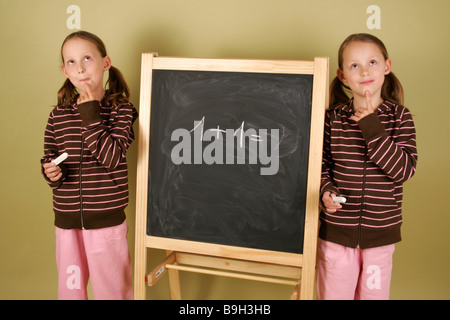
pixel 106 63
pixel 340 75
pixel 388 67
pixel 64 71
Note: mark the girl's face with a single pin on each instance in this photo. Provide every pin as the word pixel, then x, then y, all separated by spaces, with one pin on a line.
pixel 364 68
pixel 84 66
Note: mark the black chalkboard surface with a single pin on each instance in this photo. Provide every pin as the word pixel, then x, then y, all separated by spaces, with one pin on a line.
pixel 228 159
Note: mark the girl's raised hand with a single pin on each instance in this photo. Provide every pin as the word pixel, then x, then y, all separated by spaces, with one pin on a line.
pixel 362 112
pixel 86 94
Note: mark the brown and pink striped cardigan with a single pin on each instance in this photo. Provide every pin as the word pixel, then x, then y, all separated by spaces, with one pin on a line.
pixel 93 191
pixel 367 162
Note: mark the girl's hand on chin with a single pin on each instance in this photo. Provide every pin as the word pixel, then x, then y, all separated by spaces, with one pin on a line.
pixel 362 112
pixel 86 94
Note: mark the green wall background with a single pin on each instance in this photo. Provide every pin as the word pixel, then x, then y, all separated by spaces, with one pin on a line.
pixel 31 32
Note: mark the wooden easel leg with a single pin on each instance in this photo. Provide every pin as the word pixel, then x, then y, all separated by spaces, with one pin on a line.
pixel 139 269
pixel 174 283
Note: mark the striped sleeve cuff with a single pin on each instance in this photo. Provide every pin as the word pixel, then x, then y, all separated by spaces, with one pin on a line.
pixel 89 112
pixel 371 127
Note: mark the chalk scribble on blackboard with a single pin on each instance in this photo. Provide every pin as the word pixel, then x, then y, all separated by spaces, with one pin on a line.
pixel 213 153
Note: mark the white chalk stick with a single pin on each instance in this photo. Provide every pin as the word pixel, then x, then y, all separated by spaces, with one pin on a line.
pixel 60 159
pixel 339 199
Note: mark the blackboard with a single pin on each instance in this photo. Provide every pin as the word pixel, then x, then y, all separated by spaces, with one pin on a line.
pixel 228 169
pixel 229 157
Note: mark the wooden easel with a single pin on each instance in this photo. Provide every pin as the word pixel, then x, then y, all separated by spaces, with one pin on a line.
pixel 297 270
pixel 240 269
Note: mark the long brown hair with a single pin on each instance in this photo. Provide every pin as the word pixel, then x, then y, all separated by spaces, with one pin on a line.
pixel 117 92
pixel 392 88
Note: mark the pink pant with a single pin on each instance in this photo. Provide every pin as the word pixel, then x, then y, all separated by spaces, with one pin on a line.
pixel 347 274
pixel 99 254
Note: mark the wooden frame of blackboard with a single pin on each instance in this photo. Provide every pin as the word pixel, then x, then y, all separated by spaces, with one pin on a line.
pixel 224 255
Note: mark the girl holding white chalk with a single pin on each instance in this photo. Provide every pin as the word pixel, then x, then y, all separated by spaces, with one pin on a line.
pixel 93 125
pixel 369 152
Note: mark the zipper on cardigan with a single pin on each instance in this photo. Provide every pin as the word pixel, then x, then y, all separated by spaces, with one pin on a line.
pixel 81 182
pixel 362 196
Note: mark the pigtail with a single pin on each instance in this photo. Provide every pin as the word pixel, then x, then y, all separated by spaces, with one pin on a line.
pixel 66 93
pixel 392 89
pixel 338 95
pixel 118 88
